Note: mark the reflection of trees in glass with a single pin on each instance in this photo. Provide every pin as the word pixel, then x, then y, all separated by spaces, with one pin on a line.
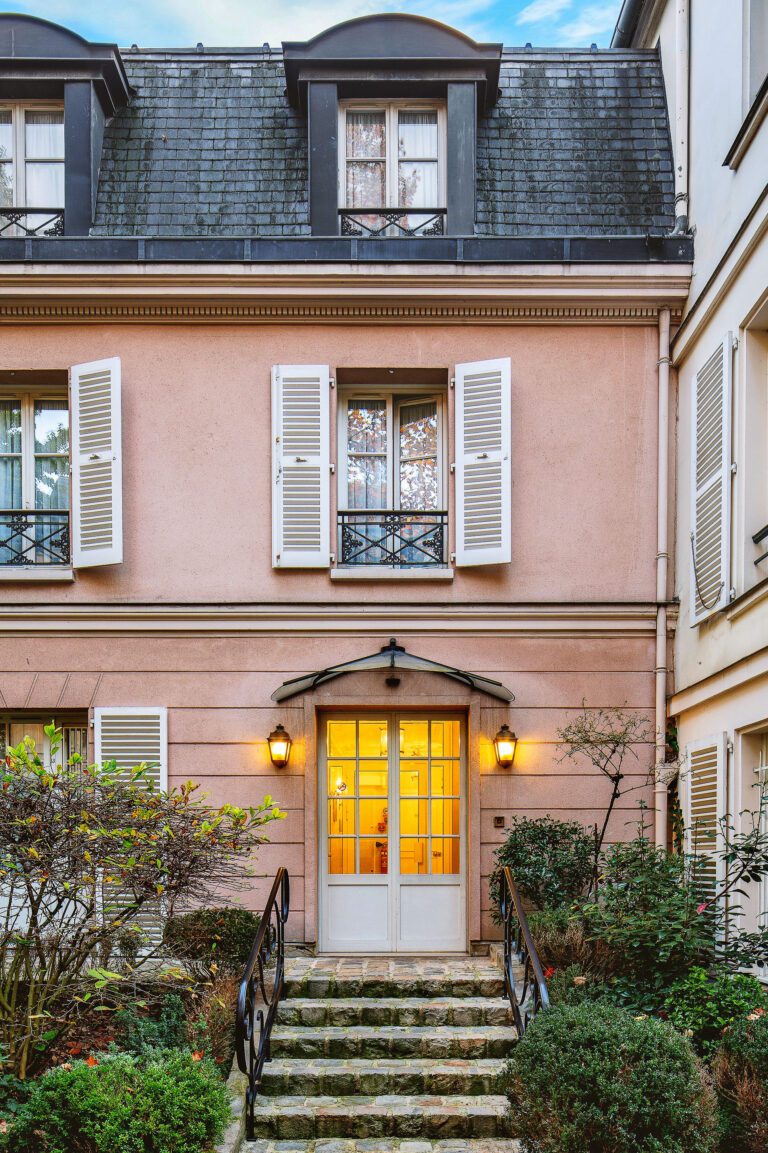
pixel 367 426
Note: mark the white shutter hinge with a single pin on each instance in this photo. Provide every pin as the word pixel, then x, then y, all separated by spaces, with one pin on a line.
pixel 731 594
pixel 453 468
pixel 734 342
pixel 453 558
pixel 453 382
pixel 332 381
pixel 734 468
pixel 729 746
pixel 332 467
pixel 332 557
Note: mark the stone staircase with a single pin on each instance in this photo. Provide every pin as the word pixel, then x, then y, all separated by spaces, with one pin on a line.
pixel 388 1055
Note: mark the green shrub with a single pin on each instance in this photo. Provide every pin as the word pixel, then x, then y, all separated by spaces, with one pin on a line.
pixel 646 923
pixel 166 1103
pixel 704 1006
pixel 552 861
pixel 212 938
pixel 593 1078
pixel 136 1030
pixel 740 1068
pixel 572 986
pixel 212 1029
pixel 561 942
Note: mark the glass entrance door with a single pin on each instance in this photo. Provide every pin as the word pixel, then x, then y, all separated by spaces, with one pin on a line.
pixel 392 834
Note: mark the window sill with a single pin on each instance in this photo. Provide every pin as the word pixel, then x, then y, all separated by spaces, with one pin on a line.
pixel 748 130
pixel 384 572
pixel 43 573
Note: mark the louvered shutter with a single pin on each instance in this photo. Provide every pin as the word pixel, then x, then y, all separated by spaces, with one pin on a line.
pixel 484 462
pixel 132 736
pixel 97 469
pixel 704 796
pixel 301 530
pixel 711 484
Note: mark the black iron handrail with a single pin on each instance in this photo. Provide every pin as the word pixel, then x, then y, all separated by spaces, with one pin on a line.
pixel 394 538
pixel 261 989
pixel 34 537
pixel 51 224
pixel 394 221
pixel 527 993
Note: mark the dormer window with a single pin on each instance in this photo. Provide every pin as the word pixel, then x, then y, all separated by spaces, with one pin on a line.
pixel 392 161
pixel 31 169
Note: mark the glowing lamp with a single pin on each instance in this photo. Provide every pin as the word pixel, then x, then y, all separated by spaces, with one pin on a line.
pixel 279 747
pixel 505 744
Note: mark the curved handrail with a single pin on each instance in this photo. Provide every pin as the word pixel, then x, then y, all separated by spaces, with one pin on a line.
pixel 529 994
pixel 261 989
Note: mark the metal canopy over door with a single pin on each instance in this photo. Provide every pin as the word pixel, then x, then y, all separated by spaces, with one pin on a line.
pixel 392 845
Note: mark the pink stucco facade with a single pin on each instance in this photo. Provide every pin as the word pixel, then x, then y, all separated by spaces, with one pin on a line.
pixel 197 620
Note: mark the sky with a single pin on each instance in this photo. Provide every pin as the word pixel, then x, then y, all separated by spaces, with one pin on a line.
pixel 184 23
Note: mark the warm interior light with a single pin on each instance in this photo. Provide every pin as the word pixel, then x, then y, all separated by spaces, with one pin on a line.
pixel 505 743
pixel 279 747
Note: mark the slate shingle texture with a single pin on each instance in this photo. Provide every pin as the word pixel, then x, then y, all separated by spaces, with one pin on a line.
pixel 578 144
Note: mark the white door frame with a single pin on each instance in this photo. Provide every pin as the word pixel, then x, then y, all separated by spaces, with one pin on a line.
pixel 392 881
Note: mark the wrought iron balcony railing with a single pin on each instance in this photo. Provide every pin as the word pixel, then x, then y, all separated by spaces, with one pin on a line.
pixel 395 538
pixel 32 537
pixel 31 222
pixel 372 222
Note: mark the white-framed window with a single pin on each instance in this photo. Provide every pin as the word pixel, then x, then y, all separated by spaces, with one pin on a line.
pixel 31 155
pixel 34 477
pixel 392 155
pixel 393 450
pixel 14 727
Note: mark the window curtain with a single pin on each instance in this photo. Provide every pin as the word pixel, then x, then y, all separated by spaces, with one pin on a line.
pixel 44 154
pixel 6 159
pixel 417 160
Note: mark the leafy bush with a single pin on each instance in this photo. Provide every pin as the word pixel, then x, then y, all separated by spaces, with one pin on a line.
pixel 646 922
pixel 561 942
pixel 571 986
pixel 552 861
pixel 592 1077
pixel 137 1031
pixel 166 1103
pixel 218 939
pixel 213 1029
pixel 89 848
pixel 741 1075
pixel 704 1006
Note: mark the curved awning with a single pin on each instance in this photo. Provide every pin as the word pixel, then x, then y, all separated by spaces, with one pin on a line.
pixel 391 656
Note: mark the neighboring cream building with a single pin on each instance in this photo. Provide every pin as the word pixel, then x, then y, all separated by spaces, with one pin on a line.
pixel 715 63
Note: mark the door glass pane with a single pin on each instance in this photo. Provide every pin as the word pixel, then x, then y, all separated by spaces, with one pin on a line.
pixel 374 817
pixel 10 483
pixel 44 135
pixel 414 738
pixel 6 134
pixel 341 856
pixel 413 855
pixel 413 818
pixel 374 855
pixel 6 184
pixel 366 185
pixel 445 778
pixel 418 441
pixel 341 778
pixel 51 426
pixel 444 739
pixel 342 738
pixel 445 855
pixel 45 185
pixel 51 482
pixel 417 135
pixel 367 454
pixel 373 739
pixel 373 778
pixel 341 817
pixel 366 135
pixel 445 818
pixel 414 779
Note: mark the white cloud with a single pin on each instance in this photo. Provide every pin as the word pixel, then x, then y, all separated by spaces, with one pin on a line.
pixel 589 25
pixel 541 10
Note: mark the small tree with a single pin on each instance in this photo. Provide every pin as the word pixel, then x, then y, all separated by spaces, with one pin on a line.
pixel 606 737
pixel 84 849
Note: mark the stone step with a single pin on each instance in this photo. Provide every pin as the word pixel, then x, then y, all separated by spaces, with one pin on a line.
pixel 427 1118
pixel 321 984
pixel 342 1011
pixel 394 1041
pixel 386 1145
pixel 407 1076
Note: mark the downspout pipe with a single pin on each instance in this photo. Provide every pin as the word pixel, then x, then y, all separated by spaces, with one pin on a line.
pixel 682 84
pixel 627 23
pixel 662 572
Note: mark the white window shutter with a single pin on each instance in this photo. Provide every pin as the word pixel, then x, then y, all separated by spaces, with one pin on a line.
pixel 484 462
pixel 711 484
pixel 301 463
pixel 132 736
pixel 704 807
pixel 97 465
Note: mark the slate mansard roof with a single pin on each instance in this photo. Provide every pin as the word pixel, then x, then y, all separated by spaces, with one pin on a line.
pixel 209 145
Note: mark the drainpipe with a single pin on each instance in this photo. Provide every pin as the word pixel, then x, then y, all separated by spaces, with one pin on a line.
pixel 662 566
pixel 682 82
pixel 626 23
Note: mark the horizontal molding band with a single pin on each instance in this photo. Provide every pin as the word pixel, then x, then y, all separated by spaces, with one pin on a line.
pixel 293 312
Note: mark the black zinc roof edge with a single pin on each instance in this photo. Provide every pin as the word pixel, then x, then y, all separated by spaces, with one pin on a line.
pixel 338 249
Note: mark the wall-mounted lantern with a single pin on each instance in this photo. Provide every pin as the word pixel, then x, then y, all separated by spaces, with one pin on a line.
pixel 279 747
pixel 505 744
